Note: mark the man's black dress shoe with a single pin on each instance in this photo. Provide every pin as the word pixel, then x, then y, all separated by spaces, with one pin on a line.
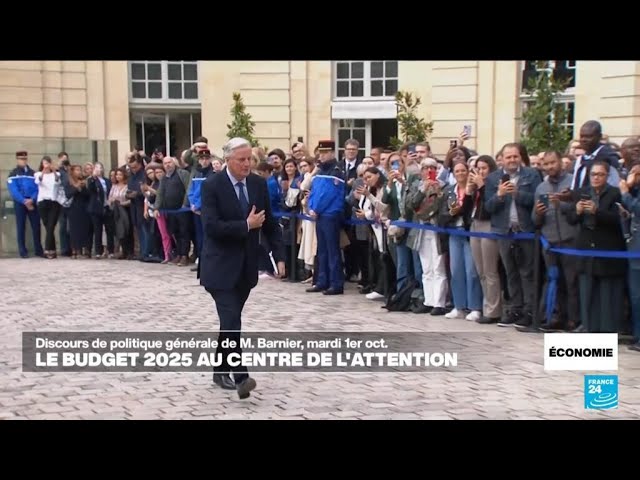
pixel 314 290
pixel 224 381
pixel 332 291
pixel 244 387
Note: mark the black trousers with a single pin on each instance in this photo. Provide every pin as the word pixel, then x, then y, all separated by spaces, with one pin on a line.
pixel 360 249
pixel 351 264
pixel 49 212
pixel 63 231
pixel 229 304
pixel 568 292
pixel 99 221
pixel 110 229
pixel 518 260
pixel 179 225
pixel 601 303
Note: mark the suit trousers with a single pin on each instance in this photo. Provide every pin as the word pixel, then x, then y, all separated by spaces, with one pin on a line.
pixel 179 225
pixel 518 259
pixel 330 272
pixel 568 291
pixel 22 213
pixel 229 304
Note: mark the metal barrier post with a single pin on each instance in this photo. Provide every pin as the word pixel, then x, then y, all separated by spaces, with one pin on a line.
pixel 536 281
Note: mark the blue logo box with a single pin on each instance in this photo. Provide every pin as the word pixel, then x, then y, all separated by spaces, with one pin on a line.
pixel 600 392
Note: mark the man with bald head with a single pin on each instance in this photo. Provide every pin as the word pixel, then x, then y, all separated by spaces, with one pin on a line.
pixel 590 141
pixel 630 151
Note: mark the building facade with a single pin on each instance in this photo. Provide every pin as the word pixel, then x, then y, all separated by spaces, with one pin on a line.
pixel 98 110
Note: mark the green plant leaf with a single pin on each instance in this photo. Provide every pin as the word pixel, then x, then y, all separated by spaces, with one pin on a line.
pixel 242 125
pixel 411 128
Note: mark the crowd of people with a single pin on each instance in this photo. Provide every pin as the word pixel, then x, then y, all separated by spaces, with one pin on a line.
pixel 450 237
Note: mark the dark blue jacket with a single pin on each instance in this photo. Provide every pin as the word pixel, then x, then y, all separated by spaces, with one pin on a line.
pixel 229 256
pixel 97 195
pixel 22 185
pixel 499 208
pixel 328 190
pixel 195 187
pixel 275 193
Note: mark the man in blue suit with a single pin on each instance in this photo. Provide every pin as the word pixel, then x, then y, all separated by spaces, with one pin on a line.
pixel 235 209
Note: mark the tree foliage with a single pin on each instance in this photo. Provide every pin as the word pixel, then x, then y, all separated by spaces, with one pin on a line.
pixel 544 116
pixel 411 128
pixel 241 124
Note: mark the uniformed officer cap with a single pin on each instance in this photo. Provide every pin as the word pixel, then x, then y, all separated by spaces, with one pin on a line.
pixel 325 145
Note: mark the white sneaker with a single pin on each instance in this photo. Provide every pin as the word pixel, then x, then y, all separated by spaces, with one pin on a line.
pixel 374 296
pixel 474 316
pixel 455 313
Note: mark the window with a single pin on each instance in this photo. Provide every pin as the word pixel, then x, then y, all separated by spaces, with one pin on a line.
pixel 172 131
pixel 561 69
pixel 569 122
pixel 366 80
pixel 356 129
pixel 163 81
pixel 565 69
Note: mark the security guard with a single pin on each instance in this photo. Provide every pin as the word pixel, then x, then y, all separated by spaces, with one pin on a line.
pixel 326 206
pixel 24 191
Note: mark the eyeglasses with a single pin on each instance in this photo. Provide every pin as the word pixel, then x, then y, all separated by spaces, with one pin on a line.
pixel 598 174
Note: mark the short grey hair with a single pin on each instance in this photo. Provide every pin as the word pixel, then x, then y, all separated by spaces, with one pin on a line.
pixel 352 141
pixel 234 144
pixel 428 162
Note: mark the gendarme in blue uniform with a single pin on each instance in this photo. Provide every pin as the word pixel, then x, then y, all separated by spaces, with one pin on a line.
pixel 326 200
pixel 199 175
pixel 22 187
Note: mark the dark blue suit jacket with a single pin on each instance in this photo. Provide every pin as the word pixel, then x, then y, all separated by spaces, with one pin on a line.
pixel 230 251
pixel 96 192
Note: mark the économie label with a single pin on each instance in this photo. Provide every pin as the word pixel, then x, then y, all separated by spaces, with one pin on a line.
pixel 581 351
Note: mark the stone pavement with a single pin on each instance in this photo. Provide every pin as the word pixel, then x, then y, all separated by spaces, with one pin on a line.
pixel 85 295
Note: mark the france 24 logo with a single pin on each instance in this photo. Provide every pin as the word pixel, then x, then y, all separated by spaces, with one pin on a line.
pixel 600 392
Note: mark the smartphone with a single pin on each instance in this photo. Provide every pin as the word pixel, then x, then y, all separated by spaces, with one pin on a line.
pixel 467 130
pixel 432 175
pixel 544 198
pixel 585 197
pixel 411 149
pixel 623 211
pixel 453 143
pixel 395 165
pixel 506 178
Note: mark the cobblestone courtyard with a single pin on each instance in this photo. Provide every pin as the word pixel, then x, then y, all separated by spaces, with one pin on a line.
pixel 89 295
